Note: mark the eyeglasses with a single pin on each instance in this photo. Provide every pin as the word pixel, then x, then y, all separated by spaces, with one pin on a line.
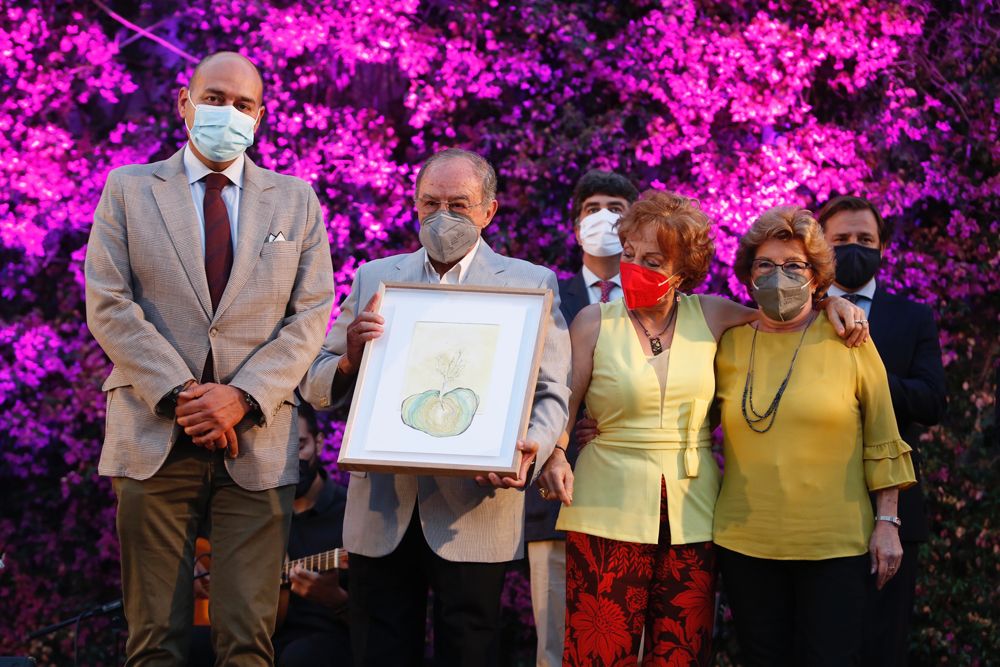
pixel 429 206
pixel 765 267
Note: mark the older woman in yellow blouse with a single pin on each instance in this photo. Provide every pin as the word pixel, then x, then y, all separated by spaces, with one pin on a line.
pixel 639 553
pixel 808 431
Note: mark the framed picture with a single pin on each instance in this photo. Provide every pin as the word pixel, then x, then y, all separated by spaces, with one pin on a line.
pixel 448 387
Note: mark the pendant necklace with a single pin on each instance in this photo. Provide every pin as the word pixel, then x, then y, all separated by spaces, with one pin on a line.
pixel 654 341
pixel 772 409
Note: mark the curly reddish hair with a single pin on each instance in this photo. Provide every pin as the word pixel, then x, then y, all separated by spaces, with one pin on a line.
pixel 787 223
pixel 683 232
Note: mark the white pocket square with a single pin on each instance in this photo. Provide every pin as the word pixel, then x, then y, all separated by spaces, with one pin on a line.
pixel 271 238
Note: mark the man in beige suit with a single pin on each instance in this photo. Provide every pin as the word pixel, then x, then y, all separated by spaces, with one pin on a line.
pixel 209 285
pixel 408 533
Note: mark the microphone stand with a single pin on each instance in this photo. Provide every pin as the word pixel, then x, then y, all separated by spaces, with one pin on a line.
pixel 99 610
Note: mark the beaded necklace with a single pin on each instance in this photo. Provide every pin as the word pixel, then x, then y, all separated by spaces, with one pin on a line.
pixel 772 409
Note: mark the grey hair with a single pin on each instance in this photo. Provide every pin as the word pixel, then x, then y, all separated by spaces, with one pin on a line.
pixel 482 166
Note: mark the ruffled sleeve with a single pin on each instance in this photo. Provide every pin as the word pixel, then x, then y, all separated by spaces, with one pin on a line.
pixel 888 464
pixel 886 457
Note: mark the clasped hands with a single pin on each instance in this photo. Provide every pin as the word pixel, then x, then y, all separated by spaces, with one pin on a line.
pixel 209 413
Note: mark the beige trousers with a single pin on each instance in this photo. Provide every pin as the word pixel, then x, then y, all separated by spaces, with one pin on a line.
pixel 158 521
pixel 547 561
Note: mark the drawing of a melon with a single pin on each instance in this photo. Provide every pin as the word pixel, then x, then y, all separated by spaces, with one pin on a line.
pixel 440 415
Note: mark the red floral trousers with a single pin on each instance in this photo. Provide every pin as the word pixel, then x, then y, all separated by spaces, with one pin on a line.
pixel 616 589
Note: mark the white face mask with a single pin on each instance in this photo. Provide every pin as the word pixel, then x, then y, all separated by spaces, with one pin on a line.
pixel 599 234
pixel 221 133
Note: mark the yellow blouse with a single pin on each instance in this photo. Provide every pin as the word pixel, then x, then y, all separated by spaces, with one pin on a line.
pixel 616 491
pixel 800 490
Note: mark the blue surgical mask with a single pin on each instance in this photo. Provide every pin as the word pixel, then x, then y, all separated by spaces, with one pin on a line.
pixel 221 133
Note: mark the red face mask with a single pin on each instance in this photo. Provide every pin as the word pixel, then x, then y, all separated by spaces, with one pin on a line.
pixel 643 287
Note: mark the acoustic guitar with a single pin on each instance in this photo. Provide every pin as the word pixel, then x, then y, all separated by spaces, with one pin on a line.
pixel 325 561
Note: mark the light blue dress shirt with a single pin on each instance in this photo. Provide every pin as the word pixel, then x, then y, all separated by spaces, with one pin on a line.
pixel 865 294
pixel 196 170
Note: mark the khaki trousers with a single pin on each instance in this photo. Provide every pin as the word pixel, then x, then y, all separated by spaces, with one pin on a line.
pixel 158 521
pixel 547 561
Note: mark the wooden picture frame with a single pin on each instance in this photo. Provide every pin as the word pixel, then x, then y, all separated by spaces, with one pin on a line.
pixel 448 387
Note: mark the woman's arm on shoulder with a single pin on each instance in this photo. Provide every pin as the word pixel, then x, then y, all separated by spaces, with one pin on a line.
pixel 556 478
pixel 583 333
pixel 722 314
pixel 848 320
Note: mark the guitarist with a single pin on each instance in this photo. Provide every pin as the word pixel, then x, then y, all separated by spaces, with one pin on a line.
pixel 312 620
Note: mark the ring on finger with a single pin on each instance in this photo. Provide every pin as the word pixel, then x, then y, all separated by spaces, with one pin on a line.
pixel 544 493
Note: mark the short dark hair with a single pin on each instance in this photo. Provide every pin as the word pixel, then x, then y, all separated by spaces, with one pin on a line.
pixel 852 203
pixel 307 412
pixel 598 182
pixel 481 165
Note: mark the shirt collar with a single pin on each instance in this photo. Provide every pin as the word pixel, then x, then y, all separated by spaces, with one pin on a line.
pixel 867 290
pixel 462 267
pixel 197 170
pixel 590 278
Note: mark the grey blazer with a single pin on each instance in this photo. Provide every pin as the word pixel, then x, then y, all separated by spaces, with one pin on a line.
pixel 149 307
pixel 461 521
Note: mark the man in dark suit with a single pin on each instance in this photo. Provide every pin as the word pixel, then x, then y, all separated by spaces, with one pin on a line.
pixel 907 341
pixel 599 198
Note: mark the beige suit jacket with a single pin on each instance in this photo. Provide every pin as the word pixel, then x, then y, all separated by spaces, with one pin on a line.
pixel 148 305
pixel 461 521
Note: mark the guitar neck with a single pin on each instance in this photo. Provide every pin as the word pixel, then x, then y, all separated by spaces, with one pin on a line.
pixel 334 559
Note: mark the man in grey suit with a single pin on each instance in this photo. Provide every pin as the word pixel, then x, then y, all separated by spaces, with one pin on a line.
pixel 408 533
pixel 209 285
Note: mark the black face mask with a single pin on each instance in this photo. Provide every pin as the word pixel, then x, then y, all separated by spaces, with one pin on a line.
pixel 307 475
pixel 856 264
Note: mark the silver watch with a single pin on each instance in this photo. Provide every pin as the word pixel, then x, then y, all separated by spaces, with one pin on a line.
pixel 895 520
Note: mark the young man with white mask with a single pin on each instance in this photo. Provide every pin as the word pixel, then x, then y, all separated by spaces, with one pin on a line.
pixel 599 199
pixel 209 285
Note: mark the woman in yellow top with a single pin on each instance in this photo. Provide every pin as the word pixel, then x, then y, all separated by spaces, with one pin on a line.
pixel 638 550
pixel 809 431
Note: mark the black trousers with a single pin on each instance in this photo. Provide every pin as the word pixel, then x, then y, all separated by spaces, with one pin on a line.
pixel 796 612
pixel 388 607
pixel 888 613
pixel 314 649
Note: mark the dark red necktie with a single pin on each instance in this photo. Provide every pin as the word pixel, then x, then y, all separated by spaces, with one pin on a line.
pixel 218 249
pixel 606 287
pixel 218 239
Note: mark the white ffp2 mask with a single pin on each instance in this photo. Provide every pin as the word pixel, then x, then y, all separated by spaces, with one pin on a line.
pixel 599 234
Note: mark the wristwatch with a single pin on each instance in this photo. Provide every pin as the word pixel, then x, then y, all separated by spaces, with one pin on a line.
pixel 895 520
pixel 168 404
pixel 255 414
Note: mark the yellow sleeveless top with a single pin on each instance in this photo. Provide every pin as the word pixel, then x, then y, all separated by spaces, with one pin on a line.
pixel 616 491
